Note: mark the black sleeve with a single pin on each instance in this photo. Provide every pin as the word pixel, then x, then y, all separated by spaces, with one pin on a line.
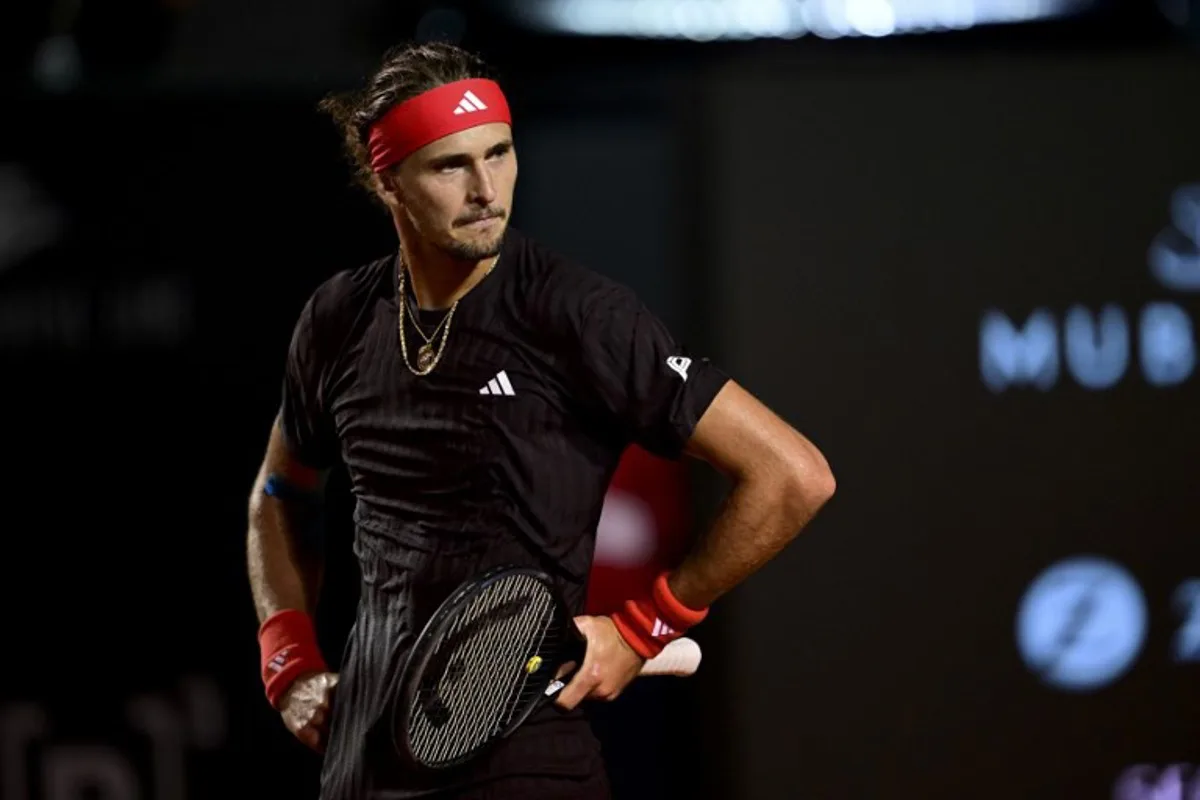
pixel 304 418
pixel 636 371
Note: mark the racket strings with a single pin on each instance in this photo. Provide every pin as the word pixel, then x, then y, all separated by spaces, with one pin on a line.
pixel 524 693
pixel 479 669
pixel 485 657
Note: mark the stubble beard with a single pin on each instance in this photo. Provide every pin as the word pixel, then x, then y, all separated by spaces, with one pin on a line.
pixel 477 250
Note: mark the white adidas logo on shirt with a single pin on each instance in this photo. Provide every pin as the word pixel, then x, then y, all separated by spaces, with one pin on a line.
pixel 469 104
pixel 499 385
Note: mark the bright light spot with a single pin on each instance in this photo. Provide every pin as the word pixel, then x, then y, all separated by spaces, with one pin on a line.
pixel 871 17
pixel 763 18
pixel 627 535
pixel 704 20
pixel 651 18
pixel 955 14
pixel 827 18
pixel 694 22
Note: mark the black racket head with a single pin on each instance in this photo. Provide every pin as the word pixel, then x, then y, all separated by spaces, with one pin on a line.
pixel 481 666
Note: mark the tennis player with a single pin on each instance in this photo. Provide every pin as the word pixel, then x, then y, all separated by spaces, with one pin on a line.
pixel 480 390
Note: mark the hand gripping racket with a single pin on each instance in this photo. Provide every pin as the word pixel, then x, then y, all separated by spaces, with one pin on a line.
pixel 487 660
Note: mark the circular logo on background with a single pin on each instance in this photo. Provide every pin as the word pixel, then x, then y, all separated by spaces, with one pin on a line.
pixel 1081 623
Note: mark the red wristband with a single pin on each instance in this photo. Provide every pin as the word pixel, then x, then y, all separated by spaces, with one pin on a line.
pixel 287 644
pixel 649 623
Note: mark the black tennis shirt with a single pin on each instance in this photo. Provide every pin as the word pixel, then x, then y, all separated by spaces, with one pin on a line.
pixel 502 454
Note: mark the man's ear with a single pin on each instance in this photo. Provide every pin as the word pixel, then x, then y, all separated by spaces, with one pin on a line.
pixel 386 188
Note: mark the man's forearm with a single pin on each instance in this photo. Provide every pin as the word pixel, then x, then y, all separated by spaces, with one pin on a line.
pixel 284 566
pixel 756 520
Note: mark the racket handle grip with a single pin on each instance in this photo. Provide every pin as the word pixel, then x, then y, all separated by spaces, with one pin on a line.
pixel 680 657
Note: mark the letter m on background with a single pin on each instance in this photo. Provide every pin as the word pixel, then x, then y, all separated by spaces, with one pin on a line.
pixel 1011 356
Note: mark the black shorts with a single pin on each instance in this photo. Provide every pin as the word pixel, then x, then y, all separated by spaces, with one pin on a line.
pixel 535 787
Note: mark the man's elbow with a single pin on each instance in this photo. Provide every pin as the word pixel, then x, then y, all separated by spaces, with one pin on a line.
pixel 809 486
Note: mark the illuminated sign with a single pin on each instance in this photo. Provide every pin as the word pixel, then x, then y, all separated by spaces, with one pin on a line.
pixel 1175 253
pixel 1081 623
pixel 1097 348
pixel 1149 782
pixel 1186 645
pixel 147 757
pixel 155 312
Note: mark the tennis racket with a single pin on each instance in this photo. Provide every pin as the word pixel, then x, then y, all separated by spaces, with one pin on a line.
pixel 488 659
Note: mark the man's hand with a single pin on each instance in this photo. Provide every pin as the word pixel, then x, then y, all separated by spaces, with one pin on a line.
pixel 609 664
pixel 306 708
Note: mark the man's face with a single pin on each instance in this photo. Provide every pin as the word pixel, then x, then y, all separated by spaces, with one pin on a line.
pixel 457 192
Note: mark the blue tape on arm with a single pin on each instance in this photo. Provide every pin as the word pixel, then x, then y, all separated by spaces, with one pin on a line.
pixel 278 486
pixel 304 508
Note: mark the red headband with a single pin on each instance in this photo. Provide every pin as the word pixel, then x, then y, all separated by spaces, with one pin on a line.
pixel 439 112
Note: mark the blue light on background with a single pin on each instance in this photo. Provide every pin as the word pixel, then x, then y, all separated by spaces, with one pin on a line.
pixel 1081 624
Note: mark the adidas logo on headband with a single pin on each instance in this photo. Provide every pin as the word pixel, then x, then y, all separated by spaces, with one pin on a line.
pixel 469 104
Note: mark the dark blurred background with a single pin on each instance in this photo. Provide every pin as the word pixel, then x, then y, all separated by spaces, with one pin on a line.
pixel 955 242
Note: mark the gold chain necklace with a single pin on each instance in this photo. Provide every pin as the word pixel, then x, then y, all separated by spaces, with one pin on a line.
pixel 428 339
pixel 427 358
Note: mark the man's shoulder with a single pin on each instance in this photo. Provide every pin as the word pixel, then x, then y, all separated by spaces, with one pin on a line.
pixel 345 291
pixel 549 276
